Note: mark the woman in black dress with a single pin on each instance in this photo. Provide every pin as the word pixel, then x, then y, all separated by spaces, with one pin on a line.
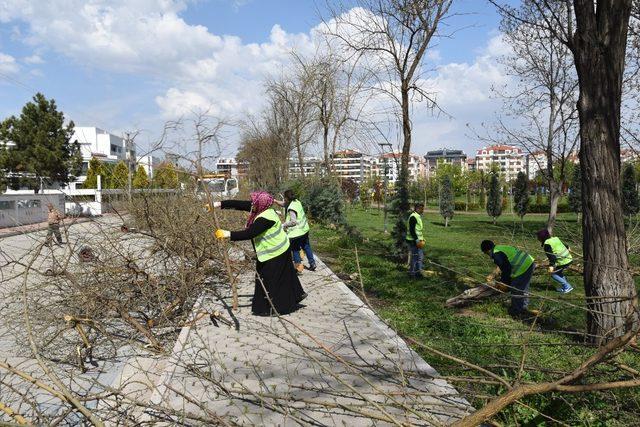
pixel 274 267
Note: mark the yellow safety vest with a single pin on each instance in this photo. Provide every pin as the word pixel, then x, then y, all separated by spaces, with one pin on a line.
pixel 302 226
pixel 563 257
pixel 272 242
pixel 418 218
pixel 520 261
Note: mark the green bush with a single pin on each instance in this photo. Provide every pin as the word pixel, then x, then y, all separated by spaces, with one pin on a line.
pixel 462 206
pixel 544 208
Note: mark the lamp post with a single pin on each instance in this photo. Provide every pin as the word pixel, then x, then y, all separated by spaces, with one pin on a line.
pixel 386 181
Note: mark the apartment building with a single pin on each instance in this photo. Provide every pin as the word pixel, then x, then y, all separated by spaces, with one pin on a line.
pixel 350 164
pixel 417 166
pixel 310 166
pixel 446 156
pixel 509 159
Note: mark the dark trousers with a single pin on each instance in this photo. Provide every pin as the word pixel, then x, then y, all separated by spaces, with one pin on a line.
pixel 520 291
pixel 53 229
pixel 302 242
pixel 416 258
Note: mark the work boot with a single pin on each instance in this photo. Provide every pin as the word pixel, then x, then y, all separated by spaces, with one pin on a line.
pixel 312 267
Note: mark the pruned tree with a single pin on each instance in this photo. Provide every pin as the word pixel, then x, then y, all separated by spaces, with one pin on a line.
pixel 597 32
pixel 521 195
pixel 446 199
pixel 630 199
pixel 393 37
pixel 494 197
pixel 543 96
pixel 39 146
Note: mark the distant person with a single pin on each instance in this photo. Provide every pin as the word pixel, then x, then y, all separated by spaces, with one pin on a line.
pixel 297 228
pixel 559 259
pixel 54 218
pixel 274 267
pixel 516 268
pixel 415 240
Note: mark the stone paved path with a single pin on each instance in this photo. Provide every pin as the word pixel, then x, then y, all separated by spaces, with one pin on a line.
pixel 333 362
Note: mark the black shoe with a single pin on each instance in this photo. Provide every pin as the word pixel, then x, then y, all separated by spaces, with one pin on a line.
pixel 312 267
pixel 303 296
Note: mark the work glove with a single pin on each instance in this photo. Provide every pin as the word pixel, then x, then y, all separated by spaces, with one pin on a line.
pixel 222 234
pixel 551 269
pixel 420 244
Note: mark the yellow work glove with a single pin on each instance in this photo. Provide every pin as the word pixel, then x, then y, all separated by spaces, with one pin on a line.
pixel 207 207
pixel 420 244
pixel 551 269
pixel 222 234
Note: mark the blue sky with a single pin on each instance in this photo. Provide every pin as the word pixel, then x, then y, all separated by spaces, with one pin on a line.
pixel 123 65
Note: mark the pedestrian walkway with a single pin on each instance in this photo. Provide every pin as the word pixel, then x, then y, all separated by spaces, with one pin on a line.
pixel 333 362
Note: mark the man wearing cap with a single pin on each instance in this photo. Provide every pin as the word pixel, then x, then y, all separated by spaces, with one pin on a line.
pixel 559 259
pixel 516 268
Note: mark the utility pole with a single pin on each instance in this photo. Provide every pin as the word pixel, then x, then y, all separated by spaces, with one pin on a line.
pixel 127 147
pixel 386 181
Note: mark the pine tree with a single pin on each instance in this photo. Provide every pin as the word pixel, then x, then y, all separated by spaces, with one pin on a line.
pixel 165 176
pixel 400 206
pixel 630 199
pixel 575 191
pixel 96 167
pixel 494 200
pixel 119 176
pixel 521 195
pixel 446 200
pixel 42 145
pixel 140 179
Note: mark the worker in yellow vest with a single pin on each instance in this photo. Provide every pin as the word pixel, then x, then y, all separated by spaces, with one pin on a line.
pixel 559 259
pixel 516 270
pixel 415 240
pixel 277 287
pixel 297 228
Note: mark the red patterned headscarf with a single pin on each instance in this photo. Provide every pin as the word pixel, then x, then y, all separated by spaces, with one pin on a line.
pixel 260 202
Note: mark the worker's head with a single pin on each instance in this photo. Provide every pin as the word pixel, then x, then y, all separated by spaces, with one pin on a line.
pixel 50 206
pixel 289 196
pixel 543 235
pixel 487 246
pixel 419 207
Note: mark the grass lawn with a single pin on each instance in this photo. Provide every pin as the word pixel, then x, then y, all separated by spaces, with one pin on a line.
pixel 484 333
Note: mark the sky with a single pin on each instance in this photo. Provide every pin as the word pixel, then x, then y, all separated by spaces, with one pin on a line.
pixel 126 65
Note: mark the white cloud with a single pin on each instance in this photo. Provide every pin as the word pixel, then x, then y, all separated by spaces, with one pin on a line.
pixel 8 64
pixel 34 60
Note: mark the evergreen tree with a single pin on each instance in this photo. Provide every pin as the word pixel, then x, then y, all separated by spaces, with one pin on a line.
pixel 140 179
pixel 119 176
pixel 630 199
pixel 96 167
pixel 494 200
pixel 400 205
pixel 165 176
pixel 575 191
pixel 521 195
pixel 446 199
pixel 42 145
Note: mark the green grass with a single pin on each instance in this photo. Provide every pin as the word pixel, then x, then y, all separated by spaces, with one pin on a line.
pixel 483 333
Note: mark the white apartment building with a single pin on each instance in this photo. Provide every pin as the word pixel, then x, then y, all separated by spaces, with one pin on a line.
pixel 509 159
pixel 310 166
pixel 536 161
pixel 104 146
pixel 417 166
pixel 231 166
pixel 351 164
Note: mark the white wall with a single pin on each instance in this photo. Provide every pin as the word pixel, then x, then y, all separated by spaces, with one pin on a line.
pixel 22 209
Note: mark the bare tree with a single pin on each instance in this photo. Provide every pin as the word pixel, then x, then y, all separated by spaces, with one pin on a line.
pixel 292 96
pixel 596 32
pixel 544 107
pixel 339 96
pixel 394 36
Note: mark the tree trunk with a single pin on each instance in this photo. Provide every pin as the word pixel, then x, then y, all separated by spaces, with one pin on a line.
pixel 599 49
pixel 494 220
pixel 554 200
pixel 446 221
pixel 325 142
pixel 300 157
